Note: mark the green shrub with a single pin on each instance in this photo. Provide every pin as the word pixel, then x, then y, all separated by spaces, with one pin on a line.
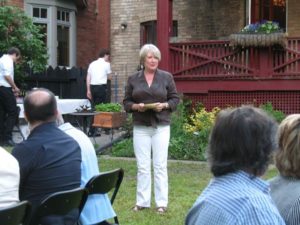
pixel 276 114
pixel 17 29
pixel 108 107
pixel 123 148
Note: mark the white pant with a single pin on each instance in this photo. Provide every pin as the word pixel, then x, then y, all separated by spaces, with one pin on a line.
pixel 143 139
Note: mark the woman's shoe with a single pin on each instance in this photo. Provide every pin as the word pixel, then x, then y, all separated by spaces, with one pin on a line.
pixel 137 208
pixel 161 210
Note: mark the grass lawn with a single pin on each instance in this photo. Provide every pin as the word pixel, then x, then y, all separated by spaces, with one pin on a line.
pixel 186 181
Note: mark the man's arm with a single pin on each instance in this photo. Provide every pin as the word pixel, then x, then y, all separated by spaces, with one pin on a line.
pixel 109 76
pixel 88 86
pixel 16 90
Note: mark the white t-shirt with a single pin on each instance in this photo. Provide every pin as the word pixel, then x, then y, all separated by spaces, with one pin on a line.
pixel 99 70
pixel 10 179
pixel 6 68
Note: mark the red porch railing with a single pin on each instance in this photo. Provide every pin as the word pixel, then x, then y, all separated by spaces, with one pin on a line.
pixel 238 75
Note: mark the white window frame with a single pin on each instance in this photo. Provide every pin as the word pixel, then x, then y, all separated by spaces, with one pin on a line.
pixel 52 22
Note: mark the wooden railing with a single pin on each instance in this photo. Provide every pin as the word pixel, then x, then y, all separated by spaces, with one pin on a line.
pixel 218 74
pixel 218 59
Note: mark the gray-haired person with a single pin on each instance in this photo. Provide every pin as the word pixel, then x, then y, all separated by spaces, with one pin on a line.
pixel 151 125
pixel 285 188
pixel 240 145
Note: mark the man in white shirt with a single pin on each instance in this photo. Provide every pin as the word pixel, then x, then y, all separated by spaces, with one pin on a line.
pixel 10 179
pixel 98 73
pixel 8 91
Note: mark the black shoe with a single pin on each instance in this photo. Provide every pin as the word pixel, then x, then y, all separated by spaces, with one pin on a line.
pixel 9 143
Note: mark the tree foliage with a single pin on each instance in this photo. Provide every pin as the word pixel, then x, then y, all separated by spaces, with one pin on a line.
pixel 18 30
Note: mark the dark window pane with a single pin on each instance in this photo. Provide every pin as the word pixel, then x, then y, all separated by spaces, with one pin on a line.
pixel 148 33
pixel 63 45
pixel 43 13
pixel 67 16
pixel 58 14
pixel 63 18
pixel 175 29
pixel 36 12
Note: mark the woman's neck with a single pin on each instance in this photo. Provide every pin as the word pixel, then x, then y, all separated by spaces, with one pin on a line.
pixel 149 72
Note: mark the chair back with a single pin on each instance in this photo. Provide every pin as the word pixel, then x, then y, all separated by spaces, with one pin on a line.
pixel 61 204
pixel 104 183
pixel 16 214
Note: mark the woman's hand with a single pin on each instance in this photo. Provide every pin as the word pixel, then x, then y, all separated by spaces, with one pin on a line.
pixel 160 106
pixel 139 107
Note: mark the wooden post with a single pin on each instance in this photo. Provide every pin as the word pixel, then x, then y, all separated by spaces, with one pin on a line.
pixel 164 29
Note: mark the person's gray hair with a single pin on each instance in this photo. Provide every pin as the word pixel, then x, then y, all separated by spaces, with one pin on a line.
pixel 149 48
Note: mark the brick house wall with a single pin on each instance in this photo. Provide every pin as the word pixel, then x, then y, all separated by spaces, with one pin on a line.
pixel 93 24
pixel 293 16
pixel 210 20
pixel 18 3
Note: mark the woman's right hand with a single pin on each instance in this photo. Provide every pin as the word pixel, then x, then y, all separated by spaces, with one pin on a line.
pixel 139 107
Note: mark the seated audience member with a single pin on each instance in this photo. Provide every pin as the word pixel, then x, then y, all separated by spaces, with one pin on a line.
pixel 285 188
pixel 49 159
pixel 98 208
pixel 239 149
pixel 9 179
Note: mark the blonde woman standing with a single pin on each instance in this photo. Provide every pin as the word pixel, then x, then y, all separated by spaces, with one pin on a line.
pixel 151 96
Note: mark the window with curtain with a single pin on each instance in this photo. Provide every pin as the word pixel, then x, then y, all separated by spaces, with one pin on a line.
pixel 274 10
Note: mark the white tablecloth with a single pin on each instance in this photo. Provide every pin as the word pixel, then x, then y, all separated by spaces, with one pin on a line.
pixel 65 106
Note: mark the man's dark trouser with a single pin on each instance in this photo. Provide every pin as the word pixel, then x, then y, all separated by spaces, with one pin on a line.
pixel 98 96
pixel 8 113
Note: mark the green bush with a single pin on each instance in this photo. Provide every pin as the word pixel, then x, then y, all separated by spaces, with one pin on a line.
pixel 276 114
pixel 123 148
pixel 187 141
pixel 18 30
pixel 108 107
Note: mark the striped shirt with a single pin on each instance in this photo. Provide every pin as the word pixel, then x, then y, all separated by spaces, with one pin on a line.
pixel 285 192
pixel 235 199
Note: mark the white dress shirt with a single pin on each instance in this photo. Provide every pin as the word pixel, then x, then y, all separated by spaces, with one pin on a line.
pixel 6 68
pixel 99 70
pixel 9 179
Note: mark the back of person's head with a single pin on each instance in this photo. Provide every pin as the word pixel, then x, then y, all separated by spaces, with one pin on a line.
pixel 103 52
pixel 242 138
pixel 14 50
pixel 40 106
pixel 287 158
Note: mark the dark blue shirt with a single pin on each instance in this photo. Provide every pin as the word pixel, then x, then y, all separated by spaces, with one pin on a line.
pixel 49 162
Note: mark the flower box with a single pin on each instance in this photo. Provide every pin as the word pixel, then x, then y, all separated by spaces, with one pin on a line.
pixel 258 40
pixel 109 119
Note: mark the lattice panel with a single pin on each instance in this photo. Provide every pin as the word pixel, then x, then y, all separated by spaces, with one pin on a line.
pixel 286 101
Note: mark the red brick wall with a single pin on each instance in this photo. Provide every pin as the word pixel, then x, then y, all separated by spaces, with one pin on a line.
pixel 19 3
pixel 92 31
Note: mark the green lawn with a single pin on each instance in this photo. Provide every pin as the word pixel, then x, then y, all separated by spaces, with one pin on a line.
pixel 186 181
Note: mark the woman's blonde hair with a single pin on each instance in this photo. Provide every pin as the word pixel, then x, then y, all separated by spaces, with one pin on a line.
pixel 288 157
pixel 149 48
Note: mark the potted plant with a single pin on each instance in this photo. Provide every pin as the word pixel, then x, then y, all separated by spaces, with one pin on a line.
pixel 263 34
pixel 111 115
